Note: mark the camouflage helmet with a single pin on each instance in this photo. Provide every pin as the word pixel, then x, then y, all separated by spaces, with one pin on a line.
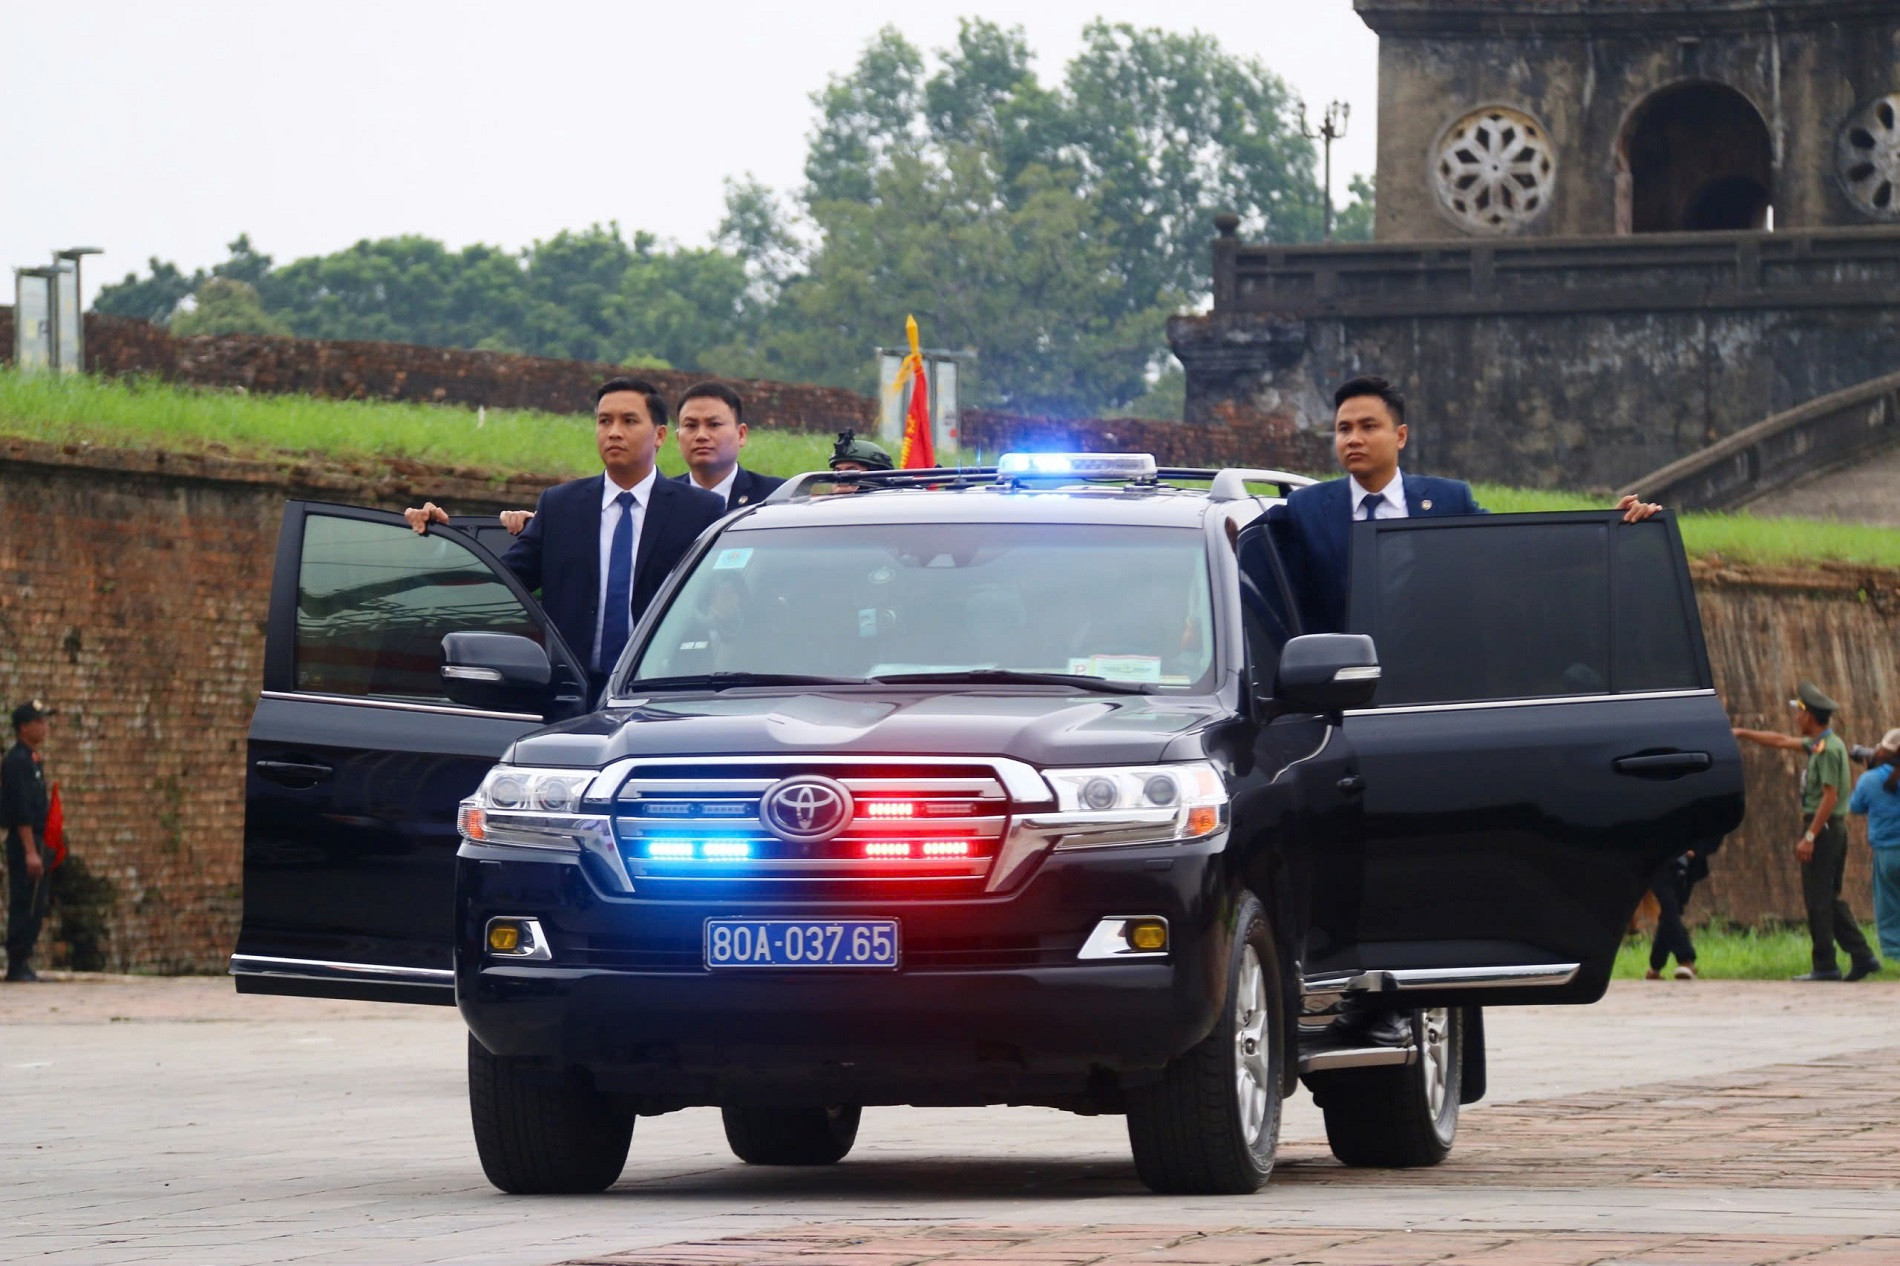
pixel 850 448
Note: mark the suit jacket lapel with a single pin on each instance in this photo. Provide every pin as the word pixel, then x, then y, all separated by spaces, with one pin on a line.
pixel 587 528
pixel 652 522
pixel 1336 517
pixel 743 490
pixel 1414 505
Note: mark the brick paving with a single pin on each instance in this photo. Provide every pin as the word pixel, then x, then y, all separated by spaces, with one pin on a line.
pixel 1824 1125
pixel 171 1120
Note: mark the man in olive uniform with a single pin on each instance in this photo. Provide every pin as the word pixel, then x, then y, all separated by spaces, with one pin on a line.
pixel 852 453
pixel 1822 848
pixel 23 810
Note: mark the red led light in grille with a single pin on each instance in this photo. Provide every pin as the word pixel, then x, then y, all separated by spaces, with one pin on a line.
pixel 888 809
pixel 946 848
pixel 887 848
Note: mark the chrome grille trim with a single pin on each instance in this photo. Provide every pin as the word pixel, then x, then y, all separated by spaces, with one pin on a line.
pixel 955 798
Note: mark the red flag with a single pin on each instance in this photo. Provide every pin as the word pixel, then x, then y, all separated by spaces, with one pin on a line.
pixel 55 841
pixel 918 453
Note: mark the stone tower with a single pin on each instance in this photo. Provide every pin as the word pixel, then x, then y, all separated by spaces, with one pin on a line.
pixel 1528 118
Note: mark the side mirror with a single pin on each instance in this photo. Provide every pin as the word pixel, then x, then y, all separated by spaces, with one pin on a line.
pixel 1327 672
pixel 497 672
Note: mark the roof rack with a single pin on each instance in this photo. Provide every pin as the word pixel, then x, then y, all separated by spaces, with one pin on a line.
pixel 1225 484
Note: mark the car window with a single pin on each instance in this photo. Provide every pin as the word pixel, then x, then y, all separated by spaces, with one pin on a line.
pixel 1500 611
pixel 1655 632
pixel 1523 607
pixel 374 601
pixel 1122 603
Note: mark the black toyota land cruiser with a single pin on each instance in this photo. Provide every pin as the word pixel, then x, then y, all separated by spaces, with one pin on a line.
pixel 1019 786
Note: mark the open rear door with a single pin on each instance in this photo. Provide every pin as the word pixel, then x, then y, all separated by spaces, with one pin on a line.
pixel 357 757
pixel 1544 737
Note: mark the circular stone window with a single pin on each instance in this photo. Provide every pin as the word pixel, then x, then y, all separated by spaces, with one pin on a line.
pixel 1867 156
pixel 1494 169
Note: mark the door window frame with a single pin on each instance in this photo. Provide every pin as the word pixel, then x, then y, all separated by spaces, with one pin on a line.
pixel 1364 585
pixel 280 641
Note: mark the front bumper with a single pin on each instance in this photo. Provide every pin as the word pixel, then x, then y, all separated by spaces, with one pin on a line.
pixel 989 1003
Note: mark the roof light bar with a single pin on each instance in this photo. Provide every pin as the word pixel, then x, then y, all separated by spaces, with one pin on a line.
pixel 1026 467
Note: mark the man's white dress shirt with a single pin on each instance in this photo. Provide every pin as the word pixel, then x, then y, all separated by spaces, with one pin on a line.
pixel 722 489
pixel 1393 495
pixel 609 518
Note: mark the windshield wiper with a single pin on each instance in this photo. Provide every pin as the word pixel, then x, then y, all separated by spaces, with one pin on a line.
pixel 728 680
pixel 1008 676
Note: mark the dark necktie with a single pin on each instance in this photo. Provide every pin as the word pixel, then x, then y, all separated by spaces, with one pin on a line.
pixel 619 613
pixel 1369 505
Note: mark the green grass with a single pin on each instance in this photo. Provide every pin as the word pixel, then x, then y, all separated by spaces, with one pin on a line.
pixel 123 413
pixel 134 414
pixel 1731 953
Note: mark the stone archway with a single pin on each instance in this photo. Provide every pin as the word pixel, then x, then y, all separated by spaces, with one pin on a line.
pixel 1694 157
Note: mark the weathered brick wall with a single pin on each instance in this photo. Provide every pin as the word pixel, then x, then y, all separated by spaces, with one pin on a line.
pixel 134 586
pixel 133 592
pixel 403 371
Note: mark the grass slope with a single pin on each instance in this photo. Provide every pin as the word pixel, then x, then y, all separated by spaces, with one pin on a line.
pixel 1729 953
pixel 133 414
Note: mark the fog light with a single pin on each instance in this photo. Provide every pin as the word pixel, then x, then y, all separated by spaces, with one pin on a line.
pixel 504 938
pixel 1148 935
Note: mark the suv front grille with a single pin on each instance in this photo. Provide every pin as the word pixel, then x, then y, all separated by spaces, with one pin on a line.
pixel 911 823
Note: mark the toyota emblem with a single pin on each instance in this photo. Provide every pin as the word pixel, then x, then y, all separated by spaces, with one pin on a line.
pixel 806 809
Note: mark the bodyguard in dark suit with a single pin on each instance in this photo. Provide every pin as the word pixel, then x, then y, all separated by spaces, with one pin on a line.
pixel 712 432
pixel 598 548
pixel 1314 525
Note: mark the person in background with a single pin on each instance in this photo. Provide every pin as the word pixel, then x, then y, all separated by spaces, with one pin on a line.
pixel 1877 798
pixel 852 453
pixel 712 432
pixel 597 548
pixel 24 804
pixel 1822 848
pixel 1672 885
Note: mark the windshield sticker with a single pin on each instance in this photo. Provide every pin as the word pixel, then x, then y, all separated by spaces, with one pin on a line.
pixel 883 576
pixel 867 621
pixel 1118 667
pixel 732 559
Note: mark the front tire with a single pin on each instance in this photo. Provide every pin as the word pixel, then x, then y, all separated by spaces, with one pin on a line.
pixel 544 1133
pixel 791 1136
pixel 1401 1117
pixel 1210 1126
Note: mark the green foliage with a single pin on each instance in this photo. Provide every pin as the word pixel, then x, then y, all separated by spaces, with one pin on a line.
pixel 227 306
pixel 1050 227
pixel 1353 222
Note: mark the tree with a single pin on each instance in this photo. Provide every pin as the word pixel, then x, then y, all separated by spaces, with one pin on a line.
pixel 227 306
pixel 1355 219
pixel 151 298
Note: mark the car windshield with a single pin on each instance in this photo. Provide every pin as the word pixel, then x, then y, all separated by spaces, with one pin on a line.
pixel 1127 605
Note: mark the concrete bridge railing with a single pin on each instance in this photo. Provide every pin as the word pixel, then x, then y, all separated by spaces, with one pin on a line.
pixel 1825 434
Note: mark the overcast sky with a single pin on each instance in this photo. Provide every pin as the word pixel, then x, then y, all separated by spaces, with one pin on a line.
pixel 168 128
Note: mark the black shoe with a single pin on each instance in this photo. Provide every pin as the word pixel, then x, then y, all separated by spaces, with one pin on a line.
pixel 23 974
pixel 1829 974
pixel 1863 969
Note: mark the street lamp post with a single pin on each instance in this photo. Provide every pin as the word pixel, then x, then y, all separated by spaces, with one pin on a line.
pixel 1332 128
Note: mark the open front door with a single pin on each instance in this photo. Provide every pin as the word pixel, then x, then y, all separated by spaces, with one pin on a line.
pixel 357 757
pixel 1544 737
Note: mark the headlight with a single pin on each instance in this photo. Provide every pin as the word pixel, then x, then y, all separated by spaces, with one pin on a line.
pixel 533 790
pixel 538 808
pixel 1173 789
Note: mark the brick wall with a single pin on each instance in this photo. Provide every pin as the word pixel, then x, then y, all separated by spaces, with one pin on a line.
pixel 134 586
pixel 133 592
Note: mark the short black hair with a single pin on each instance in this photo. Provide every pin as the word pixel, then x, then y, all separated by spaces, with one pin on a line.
pixel 1373 385
pixel 716 391
pixel 656 403
pixel 1821 716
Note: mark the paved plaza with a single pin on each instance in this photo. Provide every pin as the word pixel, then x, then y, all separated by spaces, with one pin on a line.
pixel 170 1120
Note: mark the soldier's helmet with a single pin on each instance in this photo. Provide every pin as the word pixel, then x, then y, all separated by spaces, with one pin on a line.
pixel 867 455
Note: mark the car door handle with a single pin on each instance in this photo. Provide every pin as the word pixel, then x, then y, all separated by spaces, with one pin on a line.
pixel 292 772
pixel 1663 764
pixel 1351 785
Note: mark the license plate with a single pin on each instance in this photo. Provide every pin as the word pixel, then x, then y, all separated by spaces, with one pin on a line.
pixel 782 943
